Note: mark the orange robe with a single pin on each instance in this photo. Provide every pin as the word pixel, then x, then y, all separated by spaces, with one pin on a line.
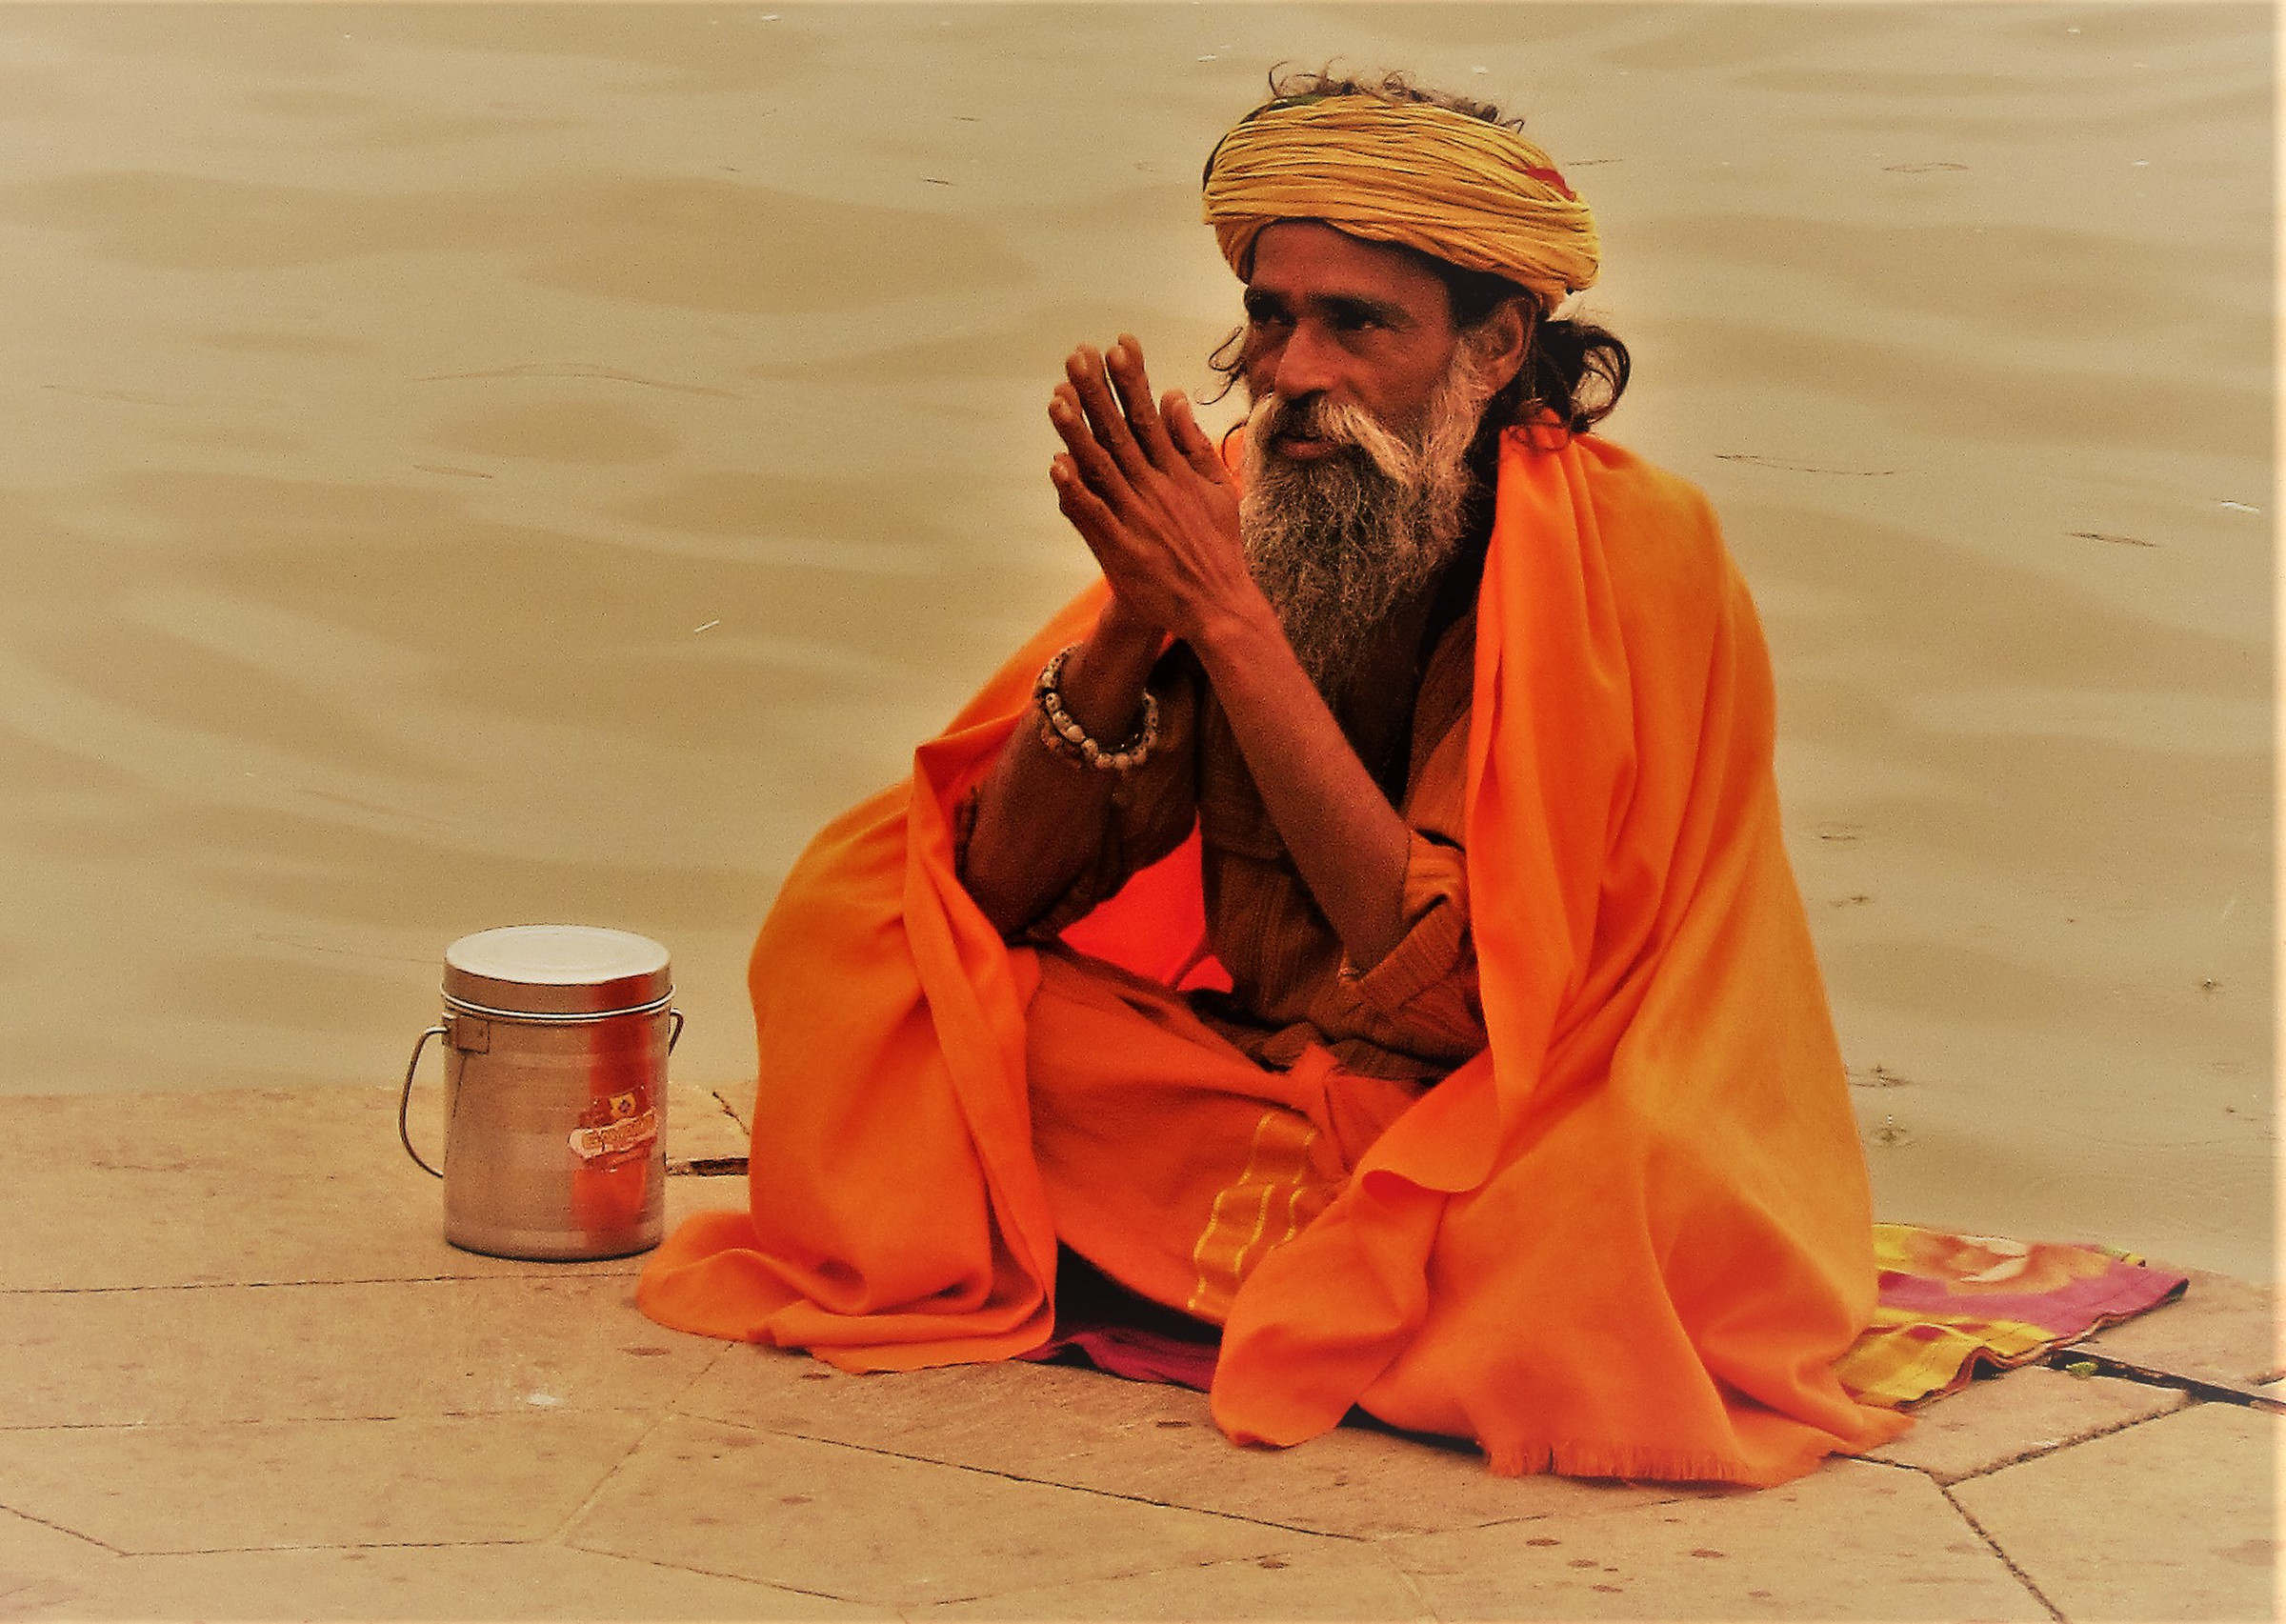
pixel 1630 1239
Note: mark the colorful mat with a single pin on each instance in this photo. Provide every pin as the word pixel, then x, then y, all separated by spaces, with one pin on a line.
pixel 1952 1307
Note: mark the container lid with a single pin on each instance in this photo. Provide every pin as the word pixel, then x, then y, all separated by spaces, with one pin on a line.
pixel 557 970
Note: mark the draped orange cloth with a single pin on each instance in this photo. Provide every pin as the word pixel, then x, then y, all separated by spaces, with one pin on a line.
pixel 1630 1239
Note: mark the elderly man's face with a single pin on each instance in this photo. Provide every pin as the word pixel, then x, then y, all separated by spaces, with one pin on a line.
pixel 1355 323
pixel 1366 402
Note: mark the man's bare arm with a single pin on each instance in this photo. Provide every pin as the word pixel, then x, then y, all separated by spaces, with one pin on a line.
pixel 1150 497
pixel 1039 819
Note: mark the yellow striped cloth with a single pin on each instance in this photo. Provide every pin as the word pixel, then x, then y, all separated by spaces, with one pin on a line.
pixel 1953 1306
pixel 1460 188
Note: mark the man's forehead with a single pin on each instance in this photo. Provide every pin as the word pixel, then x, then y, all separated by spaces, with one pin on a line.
pixel 1309 259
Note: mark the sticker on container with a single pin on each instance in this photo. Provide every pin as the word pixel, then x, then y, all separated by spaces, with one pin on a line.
pixel 616 1131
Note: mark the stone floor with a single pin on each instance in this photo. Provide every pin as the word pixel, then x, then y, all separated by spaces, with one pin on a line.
pixel 248 1379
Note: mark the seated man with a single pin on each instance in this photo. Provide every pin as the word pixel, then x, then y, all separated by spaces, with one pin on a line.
pixel 1359 923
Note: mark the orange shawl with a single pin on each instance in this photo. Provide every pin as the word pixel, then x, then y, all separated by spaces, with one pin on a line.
pixel 1628 1240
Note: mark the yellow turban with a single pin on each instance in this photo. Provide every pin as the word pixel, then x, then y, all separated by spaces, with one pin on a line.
pixel 1460 188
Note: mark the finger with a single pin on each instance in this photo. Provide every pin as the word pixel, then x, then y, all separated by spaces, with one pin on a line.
pixel 1124 363
pixel 1203 456
pixel 1089 460
pixel 1096 522
pixel 1072 492
pixel 1092 389
pixel 1085 369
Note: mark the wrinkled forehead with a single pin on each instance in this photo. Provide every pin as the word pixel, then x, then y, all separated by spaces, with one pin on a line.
pixel 1309 263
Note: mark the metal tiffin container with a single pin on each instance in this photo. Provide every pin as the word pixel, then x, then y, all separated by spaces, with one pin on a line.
pixel 556 1039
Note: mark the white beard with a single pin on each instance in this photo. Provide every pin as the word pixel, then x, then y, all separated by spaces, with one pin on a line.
pixel 1341 543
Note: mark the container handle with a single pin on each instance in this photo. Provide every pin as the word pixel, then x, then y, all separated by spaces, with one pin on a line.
pixel 405 1099
pixel 674 1033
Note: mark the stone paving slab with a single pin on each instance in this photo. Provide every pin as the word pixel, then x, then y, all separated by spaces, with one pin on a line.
pixel 265 1485
pixel 2023 1413
pixel 2173 1518
pixel 2221 1329
pixel 739 1101
pixel 1851 1540
pixel 701 1124
pixel 427 1582
pixel 1340 1582
pixel 1085 1429
pixel 286 1185
pixel 45 1571
pixel 251 1380
pixel 340 1351
pixel 884 1529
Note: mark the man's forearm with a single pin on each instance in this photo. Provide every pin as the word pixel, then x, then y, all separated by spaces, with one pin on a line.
pixel 1040 819
pixel 1149 494
pixel 1347 840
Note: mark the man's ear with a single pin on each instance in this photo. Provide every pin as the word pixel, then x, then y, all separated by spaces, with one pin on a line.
pixel 1501 341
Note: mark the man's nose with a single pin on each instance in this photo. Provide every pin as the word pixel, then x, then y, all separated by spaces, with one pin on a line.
pixel 1306 366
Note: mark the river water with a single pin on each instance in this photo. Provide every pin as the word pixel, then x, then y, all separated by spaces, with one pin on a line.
pixel 478 464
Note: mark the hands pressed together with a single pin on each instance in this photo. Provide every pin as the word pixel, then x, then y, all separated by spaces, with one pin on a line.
pixel 1147 492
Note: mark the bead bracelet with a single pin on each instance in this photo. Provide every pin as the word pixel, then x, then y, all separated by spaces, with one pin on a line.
pixel 1066 740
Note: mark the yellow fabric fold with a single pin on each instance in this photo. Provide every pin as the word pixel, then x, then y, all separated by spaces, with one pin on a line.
pixel 1459 188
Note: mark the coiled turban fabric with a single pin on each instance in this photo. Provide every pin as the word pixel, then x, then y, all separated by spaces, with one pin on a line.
pixel 1459 188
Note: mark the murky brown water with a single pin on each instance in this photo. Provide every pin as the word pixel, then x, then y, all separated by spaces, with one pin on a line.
pixel 478 464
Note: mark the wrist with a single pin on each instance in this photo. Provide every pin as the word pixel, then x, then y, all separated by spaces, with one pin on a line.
pixel 1066 736
pixel 1121 630
pixel 1246 625
pixel 1102 683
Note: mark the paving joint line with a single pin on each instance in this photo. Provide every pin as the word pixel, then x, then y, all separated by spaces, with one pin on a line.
pixel 2041 1453
pixel 521 1412
pixel 1927 1471
pixel 1129 1575
pixel 672 1406
pixel 1658 1501
pixel 710 1573
pixel 587 1501
pixel 1411 1583
pixel 60 1528
pixel 346 1545
pixel 730 1110
pixel 2006 1560
pixel 2073 1361
pixel 359 1280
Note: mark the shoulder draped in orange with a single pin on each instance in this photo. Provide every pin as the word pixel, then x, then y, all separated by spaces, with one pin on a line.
pixel 1628 1240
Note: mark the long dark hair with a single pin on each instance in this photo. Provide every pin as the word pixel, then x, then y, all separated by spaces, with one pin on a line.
pixel 1573 369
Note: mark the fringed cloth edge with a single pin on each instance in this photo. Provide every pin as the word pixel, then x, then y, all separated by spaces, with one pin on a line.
pixel 1952 1308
